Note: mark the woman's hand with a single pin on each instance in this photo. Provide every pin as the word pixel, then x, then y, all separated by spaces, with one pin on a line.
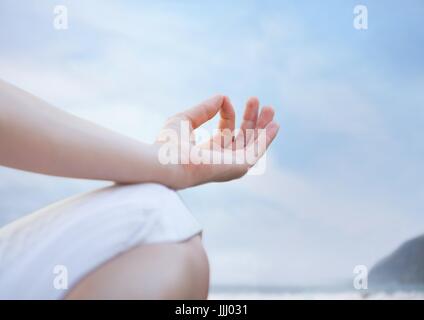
pixel 38 137
pixel 225 156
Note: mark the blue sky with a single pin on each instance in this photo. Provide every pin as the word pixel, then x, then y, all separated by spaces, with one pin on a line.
pixel 344 179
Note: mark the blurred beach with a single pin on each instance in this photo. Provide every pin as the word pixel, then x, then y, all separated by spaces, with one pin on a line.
pixel 313 294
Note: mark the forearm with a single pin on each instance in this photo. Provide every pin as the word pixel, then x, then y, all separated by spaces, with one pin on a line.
pixel 35 136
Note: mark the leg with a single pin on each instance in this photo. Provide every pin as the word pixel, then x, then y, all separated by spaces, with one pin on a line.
pixel 133 237
pixel 153 271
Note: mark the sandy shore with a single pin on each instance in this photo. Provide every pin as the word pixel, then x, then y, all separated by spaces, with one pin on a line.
pixel 348 295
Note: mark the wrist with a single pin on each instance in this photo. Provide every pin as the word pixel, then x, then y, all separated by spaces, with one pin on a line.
pixel 168 174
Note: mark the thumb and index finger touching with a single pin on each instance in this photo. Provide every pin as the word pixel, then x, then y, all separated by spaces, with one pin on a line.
pixel 207 110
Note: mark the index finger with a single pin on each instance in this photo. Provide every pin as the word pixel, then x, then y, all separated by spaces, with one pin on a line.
pixel 204 111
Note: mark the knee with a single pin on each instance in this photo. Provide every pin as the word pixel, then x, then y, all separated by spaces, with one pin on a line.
pixel 194 266
pixel 157 271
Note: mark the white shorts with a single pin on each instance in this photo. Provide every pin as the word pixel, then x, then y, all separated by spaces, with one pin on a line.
pixel 75 236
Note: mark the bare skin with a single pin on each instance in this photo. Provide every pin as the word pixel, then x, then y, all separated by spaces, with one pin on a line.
pixel 156 271
pixel 34 136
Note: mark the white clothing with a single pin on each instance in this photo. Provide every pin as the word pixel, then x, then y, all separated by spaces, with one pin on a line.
pixel 69 239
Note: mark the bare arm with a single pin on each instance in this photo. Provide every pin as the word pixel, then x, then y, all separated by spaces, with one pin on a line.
pixel 37 137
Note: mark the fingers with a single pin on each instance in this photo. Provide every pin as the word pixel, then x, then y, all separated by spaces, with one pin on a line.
pixel 195 117
pixel 250 118
pixel 235 169
pixel 265 117
pixel 263 141
pixel 228 116
pixel 252 122
pixel 226 124
pixel 207 110
pixel 250 114
pixel 229 163
pixel 271 132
